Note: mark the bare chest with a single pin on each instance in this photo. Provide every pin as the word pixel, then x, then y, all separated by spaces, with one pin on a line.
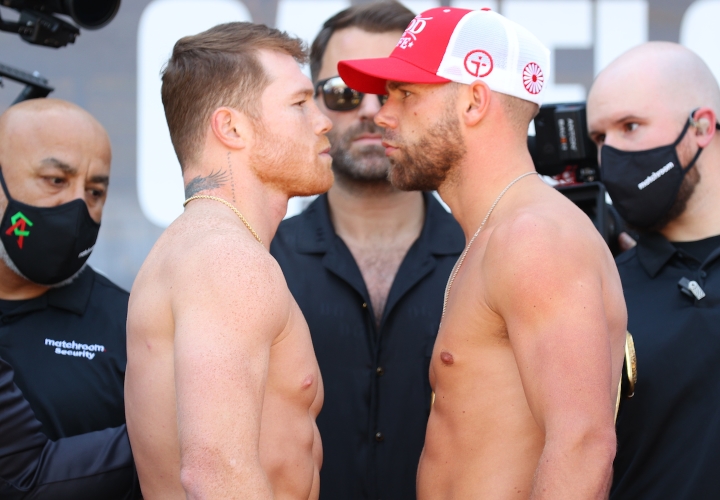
pixel 293 372
pixel 470 331
pixel 379 266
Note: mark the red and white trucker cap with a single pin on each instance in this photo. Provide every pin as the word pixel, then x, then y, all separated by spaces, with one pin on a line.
pixel 447 44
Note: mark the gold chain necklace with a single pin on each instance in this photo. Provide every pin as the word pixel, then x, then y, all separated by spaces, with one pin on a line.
pixel 237 212
pixel 467 248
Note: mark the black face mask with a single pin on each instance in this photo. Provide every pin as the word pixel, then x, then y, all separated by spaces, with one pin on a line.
pixel 47 244
pixel 644 185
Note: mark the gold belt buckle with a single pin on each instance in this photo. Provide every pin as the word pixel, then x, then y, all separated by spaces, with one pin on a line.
pixel 628 379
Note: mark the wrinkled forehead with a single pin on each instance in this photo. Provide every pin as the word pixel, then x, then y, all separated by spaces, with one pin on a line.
pixel 356 43
pixel 54 131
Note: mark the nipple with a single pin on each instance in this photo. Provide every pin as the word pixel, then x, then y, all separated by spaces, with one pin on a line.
pixel 446 358
pixel 307 382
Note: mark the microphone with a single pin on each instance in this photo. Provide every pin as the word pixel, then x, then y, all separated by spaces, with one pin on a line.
pixel 691 288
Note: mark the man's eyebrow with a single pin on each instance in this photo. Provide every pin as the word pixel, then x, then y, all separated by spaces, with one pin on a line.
pixel 391 85
pixel 54 162
pixel 308 92
pixel 623 119
pixel 627 118
pixel 100 179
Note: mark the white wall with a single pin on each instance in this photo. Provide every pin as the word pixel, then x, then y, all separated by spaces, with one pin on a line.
pixel 609 26
pixel 699 32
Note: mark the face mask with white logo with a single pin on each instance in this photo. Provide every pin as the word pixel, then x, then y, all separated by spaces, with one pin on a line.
pixel 643 185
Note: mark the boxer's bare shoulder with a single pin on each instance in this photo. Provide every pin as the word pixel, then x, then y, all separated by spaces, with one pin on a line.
pixel 220 356
pixel 529 353
pixel 545 259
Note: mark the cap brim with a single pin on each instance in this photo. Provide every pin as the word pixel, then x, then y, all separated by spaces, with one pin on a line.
pixel 371 75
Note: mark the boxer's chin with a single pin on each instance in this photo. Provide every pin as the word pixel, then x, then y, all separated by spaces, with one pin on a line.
pixel 408 177
pixel 426 164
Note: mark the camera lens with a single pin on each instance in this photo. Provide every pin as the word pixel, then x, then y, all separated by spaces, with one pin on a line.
pixel 92 14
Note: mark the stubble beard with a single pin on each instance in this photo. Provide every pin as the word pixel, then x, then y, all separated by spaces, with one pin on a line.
pixel 429 162
pixel 282 163
pixel 366 165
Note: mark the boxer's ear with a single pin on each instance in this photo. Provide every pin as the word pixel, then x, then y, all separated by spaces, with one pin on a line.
pixel 475 99
pixel 231 127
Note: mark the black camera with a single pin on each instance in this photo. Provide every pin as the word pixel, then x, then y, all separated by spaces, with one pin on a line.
pixel 38 24
pixel 562 149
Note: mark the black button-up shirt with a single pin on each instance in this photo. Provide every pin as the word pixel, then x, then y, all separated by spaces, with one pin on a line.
pixel 669 432
pixel 377 392
pixel 67 348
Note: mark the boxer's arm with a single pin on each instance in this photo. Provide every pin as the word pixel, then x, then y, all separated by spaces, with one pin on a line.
pixel 546 283
pixel 228 311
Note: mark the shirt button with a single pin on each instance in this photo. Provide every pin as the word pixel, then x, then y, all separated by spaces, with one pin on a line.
pixel 379 437
pixel 380 371
pixel 364 305
pixel 703 274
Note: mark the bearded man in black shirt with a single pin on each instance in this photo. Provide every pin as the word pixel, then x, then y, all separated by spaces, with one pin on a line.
pixel 654 114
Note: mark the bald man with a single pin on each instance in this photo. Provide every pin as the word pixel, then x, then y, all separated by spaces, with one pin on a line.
pixel 62 325
pixel 527 361
pixel 653 113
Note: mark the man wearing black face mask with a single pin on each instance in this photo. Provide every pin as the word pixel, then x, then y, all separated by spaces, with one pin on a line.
pixel 654 113
pixel 62 325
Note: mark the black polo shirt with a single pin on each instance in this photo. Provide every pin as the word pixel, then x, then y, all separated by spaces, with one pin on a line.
pixel 377 392
pixel 67 348
pixel 669 432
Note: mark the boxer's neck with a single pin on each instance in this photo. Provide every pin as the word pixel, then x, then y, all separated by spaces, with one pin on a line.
pixel 262 205
pixel 480 178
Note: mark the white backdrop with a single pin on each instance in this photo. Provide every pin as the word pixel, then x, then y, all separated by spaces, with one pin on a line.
pixel 610 27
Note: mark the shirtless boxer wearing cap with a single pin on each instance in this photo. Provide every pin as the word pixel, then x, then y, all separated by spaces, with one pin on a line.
pixel 222 385
pixel 528 358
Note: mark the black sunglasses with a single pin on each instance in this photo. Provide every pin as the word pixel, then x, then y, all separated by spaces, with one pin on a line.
pixel 339 97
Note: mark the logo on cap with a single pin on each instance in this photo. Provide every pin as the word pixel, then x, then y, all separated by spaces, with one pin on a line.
pixel 478 63
pixel 412 31
pixel 20 223
pixel 533 78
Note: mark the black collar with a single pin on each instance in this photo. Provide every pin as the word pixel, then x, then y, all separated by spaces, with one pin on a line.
pixel 654 251
pixel 73 297
pixel 316 234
